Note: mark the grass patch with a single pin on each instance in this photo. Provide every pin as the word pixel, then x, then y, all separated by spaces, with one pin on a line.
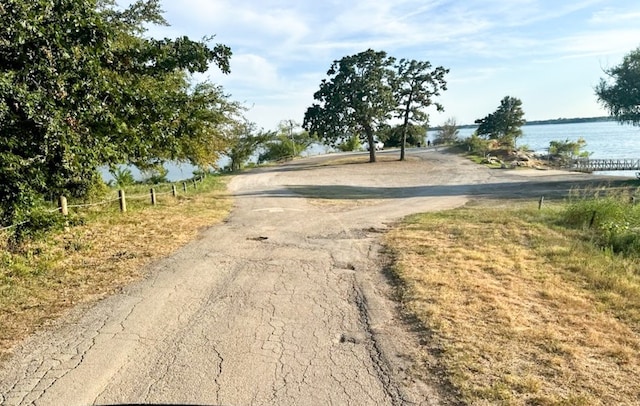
pixel 519 310
pixel 102 251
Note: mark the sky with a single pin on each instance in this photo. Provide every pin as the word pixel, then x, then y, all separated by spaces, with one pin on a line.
pixel 549 54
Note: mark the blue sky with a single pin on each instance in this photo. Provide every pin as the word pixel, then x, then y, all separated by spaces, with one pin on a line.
pixel 549 54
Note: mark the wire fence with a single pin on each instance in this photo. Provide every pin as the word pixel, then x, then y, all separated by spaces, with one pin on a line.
pixel 151 196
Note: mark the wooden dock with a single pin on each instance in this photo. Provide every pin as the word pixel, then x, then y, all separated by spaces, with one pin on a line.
pixel 595 165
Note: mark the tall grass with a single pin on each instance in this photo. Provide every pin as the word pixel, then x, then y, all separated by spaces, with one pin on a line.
pixel 611 220
pixel 524 306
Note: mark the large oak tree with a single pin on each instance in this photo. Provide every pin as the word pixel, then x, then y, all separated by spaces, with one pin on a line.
pixel 415 85
pixel 355 100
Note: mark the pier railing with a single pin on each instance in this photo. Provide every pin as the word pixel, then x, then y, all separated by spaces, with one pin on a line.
pixel 594 165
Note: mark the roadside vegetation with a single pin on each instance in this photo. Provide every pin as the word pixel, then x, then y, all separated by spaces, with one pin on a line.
pixel 524 306
pixel 97 250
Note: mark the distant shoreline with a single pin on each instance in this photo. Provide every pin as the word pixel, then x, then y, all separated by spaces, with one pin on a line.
pixel 551 121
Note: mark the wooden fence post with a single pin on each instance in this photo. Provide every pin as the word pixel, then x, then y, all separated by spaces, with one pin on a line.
pixel 63 205
pixel 184 187
pixel 541 202
pixel 153 196
pixel 123 201
pixel 173 190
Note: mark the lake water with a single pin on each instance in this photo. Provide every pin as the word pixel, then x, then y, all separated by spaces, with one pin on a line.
pixel 605 140
pixel 608 140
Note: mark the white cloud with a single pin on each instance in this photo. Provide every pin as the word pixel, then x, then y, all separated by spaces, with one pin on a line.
pixel 612 16
pixel 282 48
pixel 598 43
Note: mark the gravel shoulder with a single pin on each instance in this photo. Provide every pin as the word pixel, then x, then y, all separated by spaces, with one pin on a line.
pixel 285 303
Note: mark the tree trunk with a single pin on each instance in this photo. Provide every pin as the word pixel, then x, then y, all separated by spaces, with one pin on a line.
pixel 372 146
pixel 405 125
pixel 404 141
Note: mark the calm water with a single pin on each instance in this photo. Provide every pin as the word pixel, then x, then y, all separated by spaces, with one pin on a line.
pixel 608 139
pixel 604 140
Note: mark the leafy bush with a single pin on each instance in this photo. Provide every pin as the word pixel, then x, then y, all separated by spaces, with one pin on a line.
pixel 36 225
pixel 122 177
pixel 155 175
pixel 280 149
pixel 350 144
pixel 448 133
pixel 567 150
pixel 476 145
pixel 614 221
pixel 393 136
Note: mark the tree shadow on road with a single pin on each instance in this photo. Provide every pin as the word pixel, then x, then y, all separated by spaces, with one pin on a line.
pixel 501 190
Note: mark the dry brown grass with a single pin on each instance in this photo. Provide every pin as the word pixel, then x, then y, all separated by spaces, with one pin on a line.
pixel 509 314
pixel 90 261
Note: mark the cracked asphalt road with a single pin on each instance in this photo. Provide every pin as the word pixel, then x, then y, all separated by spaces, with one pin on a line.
pixel 285 303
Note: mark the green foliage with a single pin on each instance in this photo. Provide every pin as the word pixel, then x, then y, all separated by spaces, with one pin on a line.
pixel 279 149
pixel 155 174
pixel 397 137
pixel 503 125
pixel 415 85
pixel 287 143
pixel 81 87
pixel 448 133
pixel 364 91
pixel 613 220
pixel 567 150
pixel 36 224
pixel 356 99
pixel 620 93
pixel 477 145
pixel 352 143
pixel 244 142
pixel 122 177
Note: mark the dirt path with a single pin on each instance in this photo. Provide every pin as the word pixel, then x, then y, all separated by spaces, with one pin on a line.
pixel 283 304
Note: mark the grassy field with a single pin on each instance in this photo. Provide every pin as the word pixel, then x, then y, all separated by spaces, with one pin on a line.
pixel 517 308
pixel 102 251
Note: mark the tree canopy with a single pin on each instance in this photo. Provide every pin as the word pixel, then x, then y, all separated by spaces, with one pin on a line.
pixel 415 85
pixel 80 87
pixel 365 91
pixel 620 92
pixel 503 125
pixel 356 99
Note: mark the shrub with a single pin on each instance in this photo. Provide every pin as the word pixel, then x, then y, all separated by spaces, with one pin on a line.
pixel 476 145
pixel 613 220
pixel 350 144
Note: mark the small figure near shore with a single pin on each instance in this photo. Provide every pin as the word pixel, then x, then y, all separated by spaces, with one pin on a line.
pixel 428 143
